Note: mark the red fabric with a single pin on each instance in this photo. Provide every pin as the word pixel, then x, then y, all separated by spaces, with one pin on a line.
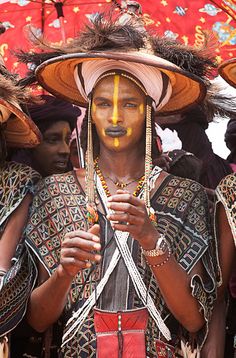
pixel 181 19
pixel 164 350
pixel 129 342
pixel 228 6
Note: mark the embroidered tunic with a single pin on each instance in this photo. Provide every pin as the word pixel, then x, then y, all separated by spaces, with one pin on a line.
pixel 182 216
pixel 226 194
pixel 16 180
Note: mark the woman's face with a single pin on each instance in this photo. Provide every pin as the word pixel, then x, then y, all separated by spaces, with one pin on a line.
pixel 118 112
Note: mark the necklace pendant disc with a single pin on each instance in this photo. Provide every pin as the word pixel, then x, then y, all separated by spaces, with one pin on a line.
pixel 120 185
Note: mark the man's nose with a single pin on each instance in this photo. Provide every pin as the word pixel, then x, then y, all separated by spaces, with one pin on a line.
pixel 64 148
pixel 116 116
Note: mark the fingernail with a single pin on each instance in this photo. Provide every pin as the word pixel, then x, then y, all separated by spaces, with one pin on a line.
pixel 97 246
pixel 97 257
pixel 88 264
pixel 95 238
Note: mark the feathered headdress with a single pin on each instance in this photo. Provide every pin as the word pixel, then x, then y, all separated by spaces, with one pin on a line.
pixel 106 35
pixel 19 130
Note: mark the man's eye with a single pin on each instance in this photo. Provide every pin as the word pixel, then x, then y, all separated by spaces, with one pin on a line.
pixel 131 105
pixel 103 104
pixel 51 140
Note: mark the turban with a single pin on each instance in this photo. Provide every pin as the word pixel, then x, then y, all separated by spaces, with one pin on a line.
pixel 53 110
pixel 155 82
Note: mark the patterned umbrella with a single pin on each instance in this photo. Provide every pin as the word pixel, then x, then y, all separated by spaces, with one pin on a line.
pixel 59 20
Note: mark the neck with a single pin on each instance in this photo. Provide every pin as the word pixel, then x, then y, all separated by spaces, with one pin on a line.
pixel 122 165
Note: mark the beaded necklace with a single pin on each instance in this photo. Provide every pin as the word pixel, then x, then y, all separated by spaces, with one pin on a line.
pixel 104 184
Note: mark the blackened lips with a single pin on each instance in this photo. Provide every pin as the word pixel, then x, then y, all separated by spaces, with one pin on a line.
pixel 116 131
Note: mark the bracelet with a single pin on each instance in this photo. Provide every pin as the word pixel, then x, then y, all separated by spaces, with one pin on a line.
pixel 163 262
pixel 161 247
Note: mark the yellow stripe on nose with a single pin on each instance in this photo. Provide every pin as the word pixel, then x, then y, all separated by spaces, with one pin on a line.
pixel 115 100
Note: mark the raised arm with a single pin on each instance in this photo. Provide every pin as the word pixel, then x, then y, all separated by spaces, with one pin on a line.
pixel 49 298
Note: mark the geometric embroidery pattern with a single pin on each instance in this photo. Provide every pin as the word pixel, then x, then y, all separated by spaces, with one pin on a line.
pixel 226 193
pixel 16 180
pixel 182 216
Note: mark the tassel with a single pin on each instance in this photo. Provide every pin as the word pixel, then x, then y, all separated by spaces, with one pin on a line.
pixel 148 153
pixel 92 215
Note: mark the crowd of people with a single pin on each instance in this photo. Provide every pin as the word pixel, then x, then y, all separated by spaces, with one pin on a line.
pixel 110 247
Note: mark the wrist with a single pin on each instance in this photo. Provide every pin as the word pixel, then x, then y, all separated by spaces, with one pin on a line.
pixel 161 248
pixel 62 274
pixel 150 240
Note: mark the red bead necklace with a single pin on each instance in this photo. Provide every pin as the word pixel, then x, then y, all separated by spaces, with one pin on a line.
pixel 104 184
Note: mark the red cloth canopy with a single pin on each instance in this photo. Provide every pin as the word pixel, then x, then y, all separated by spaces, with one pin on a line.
pixel 182 19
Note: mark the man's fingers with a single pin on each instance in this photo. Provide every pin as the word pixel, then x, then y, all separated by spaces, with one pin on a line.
pixel 80 243
pixel 126 208
pixel 72 266
pixel 95 230
pixel 124 218
pixel 81 255
pixel 91 234
pixel 125 197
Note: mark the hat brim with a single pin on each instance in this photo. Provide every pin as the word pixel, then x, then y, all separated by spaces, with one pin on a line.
pixel 57 77
pixel 227 71
pixel 20 130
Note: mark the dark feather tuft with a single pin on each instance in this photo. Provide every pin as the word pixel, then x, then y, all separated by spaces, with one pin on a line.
pixel 198 61
pixel 105 35
pixel 217 103
pixel 33 60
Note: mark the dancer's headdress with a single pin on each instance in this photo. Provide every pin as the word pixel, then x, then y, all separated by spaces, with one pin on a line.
pixel 19 130
pixel 227 70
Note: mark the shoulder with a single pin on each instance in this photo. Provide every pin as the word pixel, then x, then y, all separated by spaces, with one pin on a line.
pixel 58 186
pixel 182 187
pixel 21 170
pixel 225 192
pixel 227 183
pixel 68 177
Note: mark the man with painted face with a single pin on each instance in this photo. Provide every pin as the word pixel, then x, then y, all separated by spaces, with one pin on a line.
pixel 125 252
pixel 56 119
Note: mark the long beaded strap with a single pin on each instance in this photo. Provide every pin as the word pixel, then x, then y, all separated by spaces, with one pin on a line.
pixel 121 241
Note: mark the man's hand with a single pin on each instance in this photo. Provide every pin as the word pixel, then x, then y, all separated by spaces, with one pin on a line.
pixel 130 215
pixel 78 251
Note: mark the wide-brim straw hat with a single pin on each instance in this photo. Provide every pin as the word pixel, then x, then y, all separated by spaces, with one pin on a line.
pixel 227 71
pixel 19 130
pixel 56 75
